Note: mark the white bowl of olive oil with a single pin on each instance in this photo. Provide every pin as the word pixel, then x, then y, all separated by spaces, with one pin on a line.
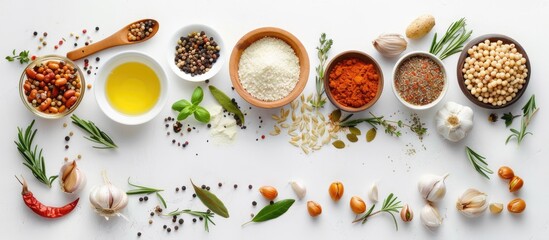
pixel 131 88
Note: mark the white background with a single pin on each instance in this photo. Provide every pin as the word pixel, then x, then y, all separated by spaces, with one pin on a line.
pixel 147 156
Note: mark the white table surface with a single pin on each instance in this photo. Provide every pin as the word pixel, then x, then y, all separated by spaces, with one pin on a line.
pixel 147 156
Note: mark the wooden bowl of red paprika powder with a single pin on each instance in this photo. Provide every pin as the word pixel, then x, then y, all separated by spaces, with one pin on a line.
pixel 353 81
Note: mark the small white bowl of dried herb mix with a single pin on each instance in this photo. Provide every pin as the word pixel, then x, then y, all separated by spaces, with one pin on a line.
pixel 196 52
pixel 419 80
pixel 52 86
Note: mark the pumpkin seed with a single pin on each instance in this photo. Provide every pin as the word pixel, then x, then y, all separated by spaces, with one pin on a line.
pixel 352 138
pixel 371 134
pixel 355 131
pixel 338 144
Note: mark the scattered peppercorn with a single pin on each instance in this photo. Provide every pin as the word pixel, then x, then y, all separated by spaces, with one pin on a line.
pixel 71 133
pixel 250 186
pixel 75 44
pixel 235 186
pixel 97 59
pixel 200 218
pixel 66 146
pixel 203 186
pixel 254 203
pixel 152 214
pixel 67 138
pixel 208 188
pixel 150 221
pixel 188 129
pixel 271 202
pixel 177 189
pixel 219 184
pixel 173 141
pixel 96 28
pixel 194 195
pixel 209 125
pixel 175 228
pixel 174 219
pixel 139 234
pixel 262 136
pixel 183 188
pixel 181 221
pixel 164 226
pixel 35 33
pixel 194 220
pixel 45 34
pixel 147 199
pixel 79 156
pixel 141 199
pixel 493 117
pixel 89 71
pixel 84 31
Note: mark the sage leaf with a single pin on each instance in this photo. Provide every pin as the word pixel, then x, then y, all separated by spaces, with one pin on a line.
pixel 211 201
pixel 355 131
pixel 338 144
pixel 352 138
pixel 227 104
pixel 202 115
pixel 371 134
pixel 197 96
pixel 180 105
pixel 273 211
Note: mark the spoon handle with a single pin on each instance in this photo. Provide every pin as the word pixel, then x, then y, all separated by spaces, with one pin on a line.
pixel 93 48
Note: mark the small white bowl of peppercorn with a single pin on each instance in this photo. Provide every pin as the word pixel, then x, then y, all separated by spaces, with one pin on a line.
pixel 52 86
pixel 196 52
pixel 419 80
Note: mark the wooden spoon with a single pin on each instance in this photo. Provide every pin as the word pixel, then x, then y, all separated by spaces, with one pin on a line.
pixel 117 39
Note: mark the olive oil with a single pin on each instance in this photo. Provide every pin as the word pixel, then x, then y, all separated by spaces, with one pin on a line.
pixel 132 88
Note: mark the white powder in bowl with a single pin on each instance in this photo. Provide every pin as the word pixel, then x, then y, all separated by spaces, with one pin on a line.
pixel 268 69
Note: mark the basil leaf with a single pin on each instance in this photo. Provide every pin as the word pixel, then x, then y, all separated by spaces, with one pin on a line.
pixel 227 104
pixel 185 113
pixel 179 105
pixel 273 211
pixel 211 201
pixel 197 96
pixel 202 115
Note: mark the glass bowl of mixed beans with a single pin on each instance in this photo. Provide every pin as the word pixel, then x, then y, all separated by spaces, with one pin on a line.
pixel 52 86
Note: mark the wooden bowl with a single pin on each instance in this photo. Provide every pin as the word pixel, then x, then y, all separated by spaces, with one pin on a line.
pixel 283 35
pixel 461 62
pixel 363 57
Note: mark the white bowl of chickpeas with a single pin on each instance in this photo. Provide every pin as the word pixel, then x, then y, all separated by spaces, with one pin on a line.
pixel 52 86
pixel 493 71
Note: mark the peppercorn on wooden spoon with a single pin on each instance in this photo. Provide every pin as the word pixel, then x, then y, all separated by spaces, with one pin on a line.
pixel 116 39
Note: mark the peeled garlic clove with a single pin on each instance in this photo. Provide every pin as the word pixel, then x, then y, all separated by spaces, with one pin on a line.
pixel 390 45
pixel 372 194
pixel 406 213
pixel 299 189
pixel 496 208
pixel 472 203
pixel 430 217
pixel 432 187
pixel 71 178
pixel 108 200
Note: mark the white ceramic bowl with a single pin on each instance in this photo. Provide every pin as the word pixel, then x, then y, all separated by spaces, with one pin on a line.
pixel 100 92
pixel 184 31
pixel 444 89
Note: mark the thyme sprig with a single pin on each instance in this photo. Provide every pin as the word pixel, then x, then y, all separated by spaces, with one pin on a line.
pixel 97 135
pixel 390 206
pixel 478 162
pixel 453 40
pixel 33 159
pixel 146 190
pixel 207 216
pixel 325 44
pixel 391 127
pixel 528 111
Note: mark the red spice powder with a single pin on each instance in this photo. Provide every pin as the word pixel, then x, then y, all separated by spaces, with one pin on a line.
pixel 353 83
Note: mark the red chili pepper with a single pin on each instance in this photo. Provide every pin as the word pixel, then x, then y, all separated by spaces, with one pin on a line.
pixel 43 210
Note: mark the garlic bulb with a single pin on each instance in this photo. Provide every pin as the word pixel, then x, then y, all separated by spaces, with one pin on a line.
pixel 432 187
pixel 430 217
pixel 299 189
pixel 71 178
pixel 390 45
pixel 108 200
pixel 454 121
pixel 372 194
pixel 472 203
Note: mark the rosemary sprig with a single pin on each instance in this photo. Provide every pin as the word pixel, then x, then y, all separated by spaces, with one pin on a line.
pixel 391 127
pixel 23 57
pixel 34 161
pixel 97 135
pixel 146 190
pixel 390 206
pixel 208 215
pixel 528 111
pixel 453 40
pixel 325 44
pixel 478 162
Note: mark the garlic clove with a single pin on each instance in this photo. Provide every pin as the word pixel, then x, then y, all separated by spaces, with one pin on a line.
pixel 454 121
pixel 432 187
pixel 390 45
pixel 108 200
pixel 472 203
pixel 496 208
pixel 71 178
pixel 299 189
pixel 373 193
pixel 406 213
pixel 430 217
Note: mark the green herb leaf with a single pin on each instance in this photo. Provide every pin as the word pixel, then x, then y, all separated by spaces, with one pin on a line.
pixel 23 57
pixel 273 211
pixel 146 190
pixel 355 131
pixel 227 104
pixel 371 134
pixel 187 111
pixel 202 115
pixel 180 105
pixel 211 201
pixel 207 216
pixel 509 117
pixel 338 144
pixel 97 135
pixel 453 40
pixel 390 206
pixel 322 54
pixel 529 110
pixel 352 138
pixel 197 96
pixel 478 162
